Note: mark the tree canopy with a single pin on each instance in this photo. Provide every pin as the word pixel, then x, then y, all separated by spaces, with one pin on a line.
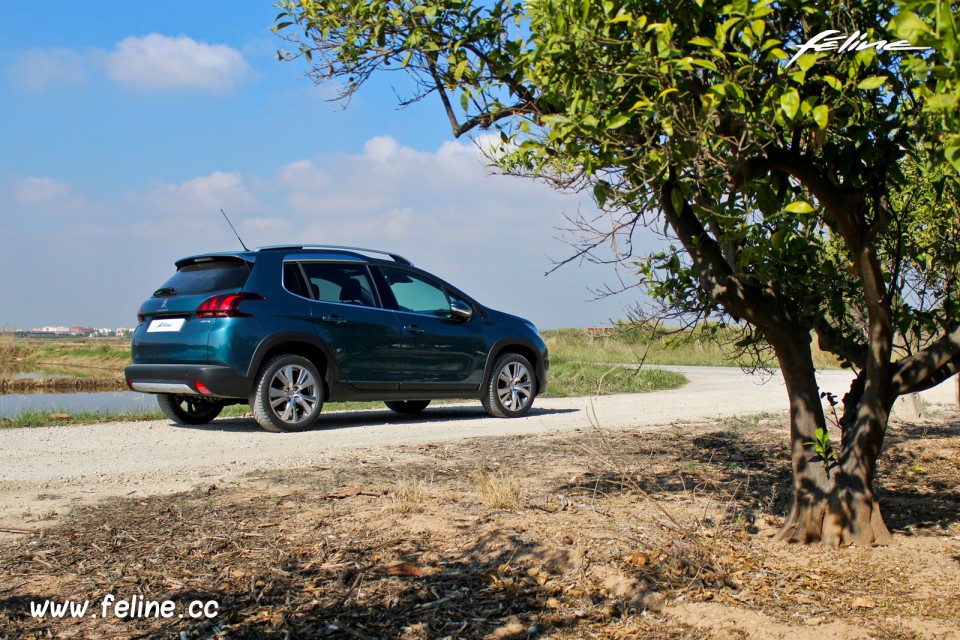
pixel 803 194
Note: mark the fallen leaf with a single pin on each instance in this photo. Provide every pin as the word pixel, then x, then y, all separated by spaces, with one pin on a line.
pixel 864 603
pixel 404 569
pixel 346 493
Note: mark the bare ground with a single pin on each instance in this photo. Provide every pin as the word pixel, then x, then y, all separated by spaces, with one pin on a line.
pixel 591 534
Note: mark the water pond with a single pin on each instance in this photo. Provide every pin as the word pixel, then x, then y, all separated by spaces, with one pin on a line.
pixel 15 403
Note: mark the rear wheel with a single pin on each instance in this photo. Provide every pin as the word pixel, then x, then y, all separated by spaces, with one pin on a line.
pixel 288 395
pixel 407 407
pixel 189 409
pixel 511 387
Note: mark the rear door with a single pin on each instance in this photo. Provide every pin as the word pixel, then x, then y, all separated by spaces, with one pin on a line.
pixel 362 337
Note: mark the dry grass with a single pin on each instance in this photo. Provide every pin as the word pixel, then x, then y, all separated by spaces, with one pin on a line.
pixel 408 495
pixel 8 348
pixel 497 489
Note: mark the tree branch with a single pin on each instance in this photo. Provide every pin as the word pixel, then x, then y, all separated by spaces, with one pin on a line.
pixel 833 340
pixel 929 367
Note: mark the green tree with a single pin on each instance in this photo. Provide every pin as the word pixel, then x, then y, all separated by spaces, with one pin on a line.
pixel 934 24
pixel 789 187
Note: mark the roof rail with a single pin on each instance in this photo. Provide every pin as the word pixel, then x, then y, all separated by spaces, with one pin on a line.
pixel 394 256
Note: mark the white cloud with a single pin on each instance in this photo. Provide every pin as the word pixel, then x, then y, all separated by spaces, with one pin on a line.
pixel 38 69
pixel 219 190
pixel 188 214
pixel 303 175
pixel 157 61
pixel 489 234
pixel 48 199
pixel 380 148
pixel 41 191
pixel 444 210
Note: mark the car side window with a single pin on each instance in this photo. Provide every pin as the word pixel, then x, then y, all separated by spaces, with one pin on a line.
pixel 293 280
pixel 343 283
pixel 416 294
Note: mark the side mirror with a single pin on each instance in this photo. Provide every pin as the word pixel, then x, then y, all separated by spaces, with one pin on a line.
pixel 460 311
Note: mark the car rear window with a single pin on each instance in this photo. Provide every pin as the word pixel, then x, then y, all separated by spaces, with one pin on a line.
pixel 206 277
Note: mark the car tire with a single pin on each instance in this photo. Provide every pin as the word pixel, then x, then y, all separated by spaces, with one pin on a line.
pixel 511 387
pixel 189 409
pixel 407 407
pixel 288 394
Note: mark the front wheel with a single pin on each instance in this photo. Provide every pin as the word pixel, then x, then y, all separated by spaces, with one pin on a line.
pixel 511 387
pixel 288 395
pixel 189 409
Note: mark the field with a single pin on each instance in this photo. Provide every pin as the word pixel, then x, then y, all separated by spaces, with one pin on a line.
pixel 616 534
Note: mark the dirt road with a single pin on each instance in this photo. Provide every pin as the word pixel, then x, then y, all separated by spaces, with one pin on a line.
pixel 43 471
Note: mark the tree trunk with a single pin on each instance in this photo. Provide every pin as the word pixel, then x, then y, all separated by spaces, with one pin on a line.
pixel 833 501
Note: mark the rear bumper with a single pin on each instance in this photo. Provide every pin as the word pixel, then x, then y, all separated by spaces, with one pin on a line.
pixel 182 379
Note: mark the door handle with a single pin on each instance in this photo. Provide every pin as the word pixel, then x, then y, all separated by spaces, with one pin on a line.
pixel 334 319
pixel 414 329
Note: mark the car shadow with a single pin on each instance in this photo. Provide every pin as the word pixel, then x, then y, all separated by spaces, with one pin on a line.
pixel 369 417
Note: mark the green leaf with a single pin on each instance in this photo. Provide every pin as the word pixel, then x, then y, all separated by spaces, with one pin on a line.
pixel 702 42
pixel 943 102
pixel 833 83
pixel 777 239
pixel 706 64
pixel 821 115
pixel 458 71
pixel 600 193
pixel 790 103
pixel 799 206
pixel 907 25
pixel 617 121
pixel 952 152
pixel 806 61
pixel 873 82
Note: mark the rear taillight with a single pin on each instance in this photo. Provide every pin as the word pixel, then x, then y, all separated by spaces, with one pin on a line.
pixel 140 317
pixel 225 306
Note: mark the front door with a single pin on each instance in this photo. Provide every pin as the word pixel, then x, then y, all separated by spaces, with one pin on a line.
pixel 440 351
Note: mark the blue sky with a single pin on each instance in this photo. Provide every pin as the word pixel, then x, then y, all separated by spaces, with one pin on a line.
pixel 127 126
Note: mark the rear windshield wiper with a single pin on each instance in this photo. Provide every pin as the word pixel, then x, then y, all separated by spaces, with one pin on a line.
pixel 164 292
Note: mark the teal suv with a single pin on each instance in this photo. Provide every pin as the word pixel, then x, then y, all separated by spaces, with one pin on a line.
pixel 286 329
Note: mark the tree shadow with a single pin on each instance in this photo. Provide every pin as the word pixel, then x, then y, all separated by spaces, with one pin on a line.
pixel 753 477
pixel 465 593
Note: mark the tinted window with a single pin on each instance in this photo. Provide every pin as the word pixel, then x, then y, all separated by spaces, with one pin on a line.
pixel 416 294
pixel 333 282
pixel 293 279
pixel 206 277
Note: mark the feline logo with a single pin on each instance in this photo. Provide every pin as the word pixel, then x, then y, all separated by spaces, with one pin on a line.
pixel 827 41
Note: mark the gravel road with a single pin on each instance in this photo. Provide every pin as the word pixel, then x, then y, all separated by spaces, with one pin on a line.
pixel 46 470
